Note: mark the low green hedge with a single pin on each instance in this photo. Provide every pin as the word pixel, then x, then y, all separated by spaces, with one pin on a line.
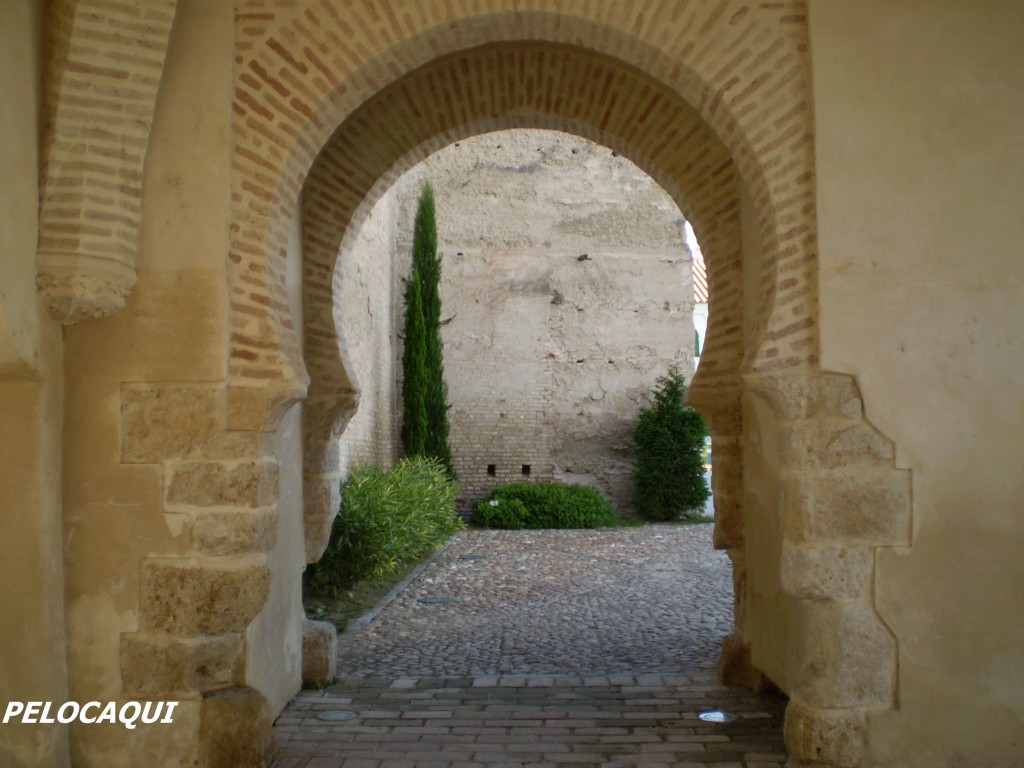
pixel 543 505
pixel 389 518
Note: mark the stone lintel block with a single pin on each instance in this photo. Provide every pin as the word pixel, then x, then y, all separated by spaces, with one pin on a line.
pixel 327 412
pixel 827 572
pixel 321 453
pixel 235 532
pixel 805 395
pixel 850 506
pixel 849 657
pixel 726 464
pixel 261 408
pixel 726 446
pixel 834 443
pixel 727 467
pixel 236 729
pixel 321 499
pixel 727 485
pixel 836 738
pixel 188 599
pixel 174 421
pixel 223 484
pixel 738 558
pixel 160 665
pixel 319 652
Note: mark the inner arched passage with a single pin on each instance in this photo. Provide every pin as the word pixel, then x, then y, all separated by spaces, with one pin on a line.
pixel 655 129
pixel 650 125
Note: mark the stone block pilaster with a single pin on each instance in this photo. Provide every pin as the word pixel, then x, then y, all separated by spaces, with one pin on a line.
pixel 194 611
pixel 235 730
pixel 825 738
pixel 841 497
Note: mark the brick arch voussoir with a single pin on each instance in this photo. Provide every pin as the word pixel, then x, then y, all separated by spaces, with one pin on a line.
pixel 295 83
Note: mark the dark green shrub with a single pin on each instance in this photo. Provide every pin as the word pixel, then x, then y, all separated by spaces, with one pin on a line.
pixel 388 518
pixel 543 505
pixel 669 439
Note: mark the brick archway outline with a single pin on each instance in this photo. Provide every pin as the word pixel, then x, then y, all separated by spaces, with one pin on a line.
pixel 293 88
pixel 340 190
pixel 747 78
pixel 305 66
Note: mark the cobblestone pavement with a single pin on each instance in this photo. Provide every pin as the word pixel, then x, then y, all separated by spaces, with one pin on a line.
pixel 542 648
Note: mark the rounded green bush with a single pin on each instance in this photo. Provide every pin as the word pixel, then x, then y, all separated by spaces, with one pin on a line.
pixel 388 518
pixel 543 505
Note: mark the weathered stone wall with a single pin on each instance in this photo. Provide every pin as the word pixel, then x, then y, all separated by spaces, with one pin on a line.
pixel 364 315
pixel 33 632
pixel 568 286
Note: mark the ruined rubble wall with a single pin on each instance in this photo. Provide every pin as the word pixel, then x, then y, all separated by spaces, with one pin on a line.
pixel 568 285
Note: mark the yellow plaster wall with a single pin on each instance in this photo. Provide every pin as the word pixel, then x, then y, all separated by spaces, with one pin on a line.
pixel 274 639
pixel 173 329
pixel 32 636
pixel 765 616
pixel 769 618
pixel 24 330
pixel 920 135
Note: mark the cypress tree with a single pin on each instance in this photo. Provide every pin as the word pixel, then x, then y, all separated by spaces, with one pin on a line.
pixel 426 270
pixel 414 372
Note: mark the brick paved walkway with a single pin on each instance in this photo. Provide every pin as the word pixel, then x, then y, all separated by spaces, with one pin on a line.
pixel 457 696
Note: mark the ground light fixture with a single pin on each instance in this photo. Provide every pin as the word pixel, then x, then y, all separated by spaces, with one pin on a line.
pixel 336 715
pixel 717 716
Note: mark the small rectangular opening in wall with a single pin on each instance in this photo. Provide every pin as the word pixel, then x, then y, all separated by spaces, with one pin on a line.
pixel 526 470
pixel 492 470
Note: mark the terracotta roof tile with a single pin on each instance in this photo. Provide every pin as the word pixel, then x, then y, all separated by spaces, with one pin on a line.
pixel 700 279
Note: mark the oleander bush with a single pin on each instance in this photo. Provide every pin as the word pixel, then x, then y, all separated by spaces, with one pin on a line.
pixel 669 440
pixel 544 505
pixel 388 519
